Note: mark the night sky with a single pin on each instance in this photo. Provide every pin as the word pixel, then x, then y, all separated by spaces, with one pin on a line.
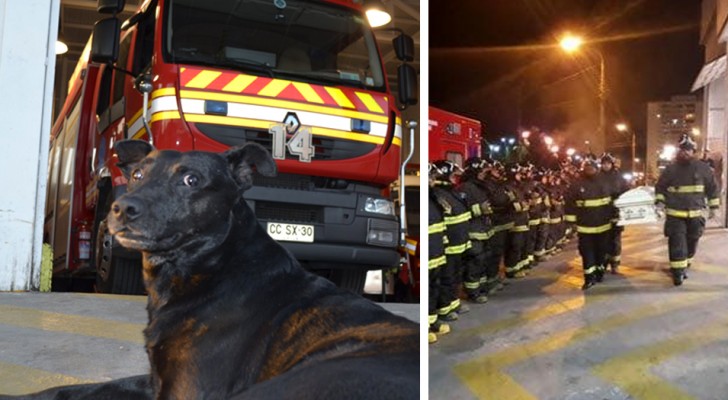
pixel 497 61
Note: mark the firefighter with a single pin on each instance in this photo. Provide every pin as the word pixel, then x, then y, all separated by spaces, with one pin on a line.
pixel 682 190
pixel 516 256
pixel 456 217
pixel 501 201
pixel 618 185
pixel 436 262
pixel 476 198
pixel 535 210
pixel 589 206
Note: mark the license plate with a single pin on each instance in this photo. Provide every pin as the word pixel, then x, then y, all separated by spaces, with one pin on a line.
pixel 290 232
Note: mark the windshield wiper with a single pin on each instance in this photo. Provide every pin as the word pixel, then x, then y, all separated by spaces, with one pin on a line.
pixel 246 65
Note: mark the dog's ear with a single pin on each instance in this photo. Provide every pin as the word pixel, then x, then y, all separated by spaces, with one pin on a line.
pixel 131 152
pixel 243 158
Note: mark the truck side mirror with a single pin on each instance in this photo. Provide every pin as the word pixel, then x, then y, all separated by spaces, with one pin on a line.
pixel 404 47
pixel 105 41
pixel 110 6
pixel 407 82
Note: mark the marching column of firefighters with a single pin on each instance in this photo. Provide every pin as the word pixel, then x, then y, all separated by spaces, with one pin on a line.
pixel 490 223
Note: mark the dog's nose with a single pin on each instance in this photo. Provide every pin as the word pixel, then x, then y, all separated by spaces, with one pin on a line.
pixel 127 208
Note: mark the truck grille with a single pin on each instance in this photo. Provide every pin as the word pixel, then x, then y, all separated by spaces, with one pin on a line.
pixel 271 211
pixel 326 148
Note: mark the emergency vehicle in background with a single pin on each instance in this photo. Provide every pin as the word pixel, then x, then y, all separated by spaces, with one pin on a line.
pixel 453 137
pixel 305 79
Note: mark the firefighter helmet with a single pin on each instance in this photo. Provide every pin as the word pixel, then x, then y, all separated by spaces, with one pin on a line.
pixel 443 168
pixel 686 143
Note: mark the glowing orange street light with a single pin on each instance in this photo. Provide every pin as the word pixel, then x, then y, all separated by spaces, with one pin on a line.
pixel 570 43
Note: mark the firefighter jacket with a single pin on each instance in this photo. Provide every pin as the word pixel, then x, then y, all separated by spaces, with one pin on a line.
pixel 589 205
pixel 555 203
pixel 684 188
pixel 436 234
pixel 456 217
pixel 476 198
pixel 617 186
pixel 501 201
pixel 538 204
pixel 521 206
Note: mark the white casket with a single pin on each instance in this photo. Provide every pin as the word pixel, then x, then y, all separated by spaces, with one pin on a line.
pixel 637 206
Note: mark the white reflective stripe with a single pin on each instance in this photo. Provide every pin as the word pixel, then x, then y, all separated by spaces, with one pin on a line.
pixel 164 103
pixel 276 115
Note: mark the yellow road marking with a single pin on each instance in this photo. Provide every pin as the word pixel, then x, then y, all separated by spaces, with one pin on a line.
pixel 631 371
pixel 74 324
pixel 484 376
pixel 572 278
pixel 19 379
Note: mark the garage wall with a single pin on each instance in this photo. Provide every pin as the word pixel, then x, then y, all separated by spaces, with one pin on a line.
pixel 27 62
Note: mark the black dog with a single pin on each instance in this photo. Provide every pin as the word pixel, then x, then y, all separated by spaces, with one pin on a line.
pixel 232 315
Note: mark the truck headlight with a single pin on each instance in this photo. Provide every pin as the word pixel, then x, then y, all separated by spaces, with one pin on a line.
pixel 382 233
pixel 379 206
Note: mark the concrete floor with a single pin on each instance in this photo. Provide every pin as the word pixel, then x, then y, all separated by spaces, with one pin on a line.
pixel 635 336
pixel 51 339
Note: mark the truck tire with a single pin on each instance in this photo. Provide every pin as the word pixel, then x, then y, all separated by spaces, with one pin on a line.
pixel 114 274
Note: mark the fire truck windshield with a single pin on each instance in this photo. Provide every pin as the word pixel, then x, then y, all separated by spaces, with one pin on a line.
pixel 311 41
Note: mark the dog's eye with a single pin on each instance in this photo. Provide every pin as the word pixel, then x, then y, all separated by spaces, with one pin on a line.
pixel 137 174
pixel 190 180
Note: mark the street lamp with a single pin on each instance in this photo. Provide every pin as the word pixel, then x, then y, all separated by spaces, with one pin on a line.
pixel 570 44
pixel 624 128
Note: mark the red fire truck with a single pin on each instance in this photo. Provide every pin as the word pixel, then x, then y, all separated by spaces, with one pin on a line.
pixel 453 137
pixel 303 78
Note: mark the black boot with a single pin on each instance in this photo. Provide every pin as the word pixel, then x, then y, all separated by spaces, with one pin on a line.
pixel 678 275
pixel 588 282
pixel 614 266
pixel 599 275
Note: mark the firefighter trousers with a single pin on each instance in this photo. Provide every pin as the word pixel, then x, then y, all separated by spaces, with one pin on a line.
pixel 497 246
pixel 532 238
pixel 593 248
pixel 614 256
pixel 683 235
pixel 515 255
pixel 542 235
pixel 474 267
pixel 434 294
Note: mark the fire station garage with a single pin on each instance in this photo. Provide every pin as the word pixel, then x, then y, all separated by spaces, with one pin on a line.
pixel 332 102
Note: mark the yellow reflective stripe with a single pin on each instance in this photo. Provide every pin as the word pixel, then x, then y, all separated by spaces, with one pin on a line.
pixel 456 219
pixel 481 235
pixel 436 262
pixel 684 213
pixel 519 228
pixel 714 202
pixel 459 249
pixel 203 79
pixel 471 285
pixel 504 227
pixel 476 210
pixel 682 264
pixel 534 222
pixel 555 220
pixel 239 83
pixel 274 88
pixel 594 229
pixel 548 201
pixel 369 102
pixel 594 202
pixel 517 206
pixel 308 93
pixel 339 97
pixel 449 308
pixel 436 228
pixel 431 319
pixel 659 197
pixel 570 218
pixel 272 102
pixel 545 220
pixel 686 189
pixel 590 270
